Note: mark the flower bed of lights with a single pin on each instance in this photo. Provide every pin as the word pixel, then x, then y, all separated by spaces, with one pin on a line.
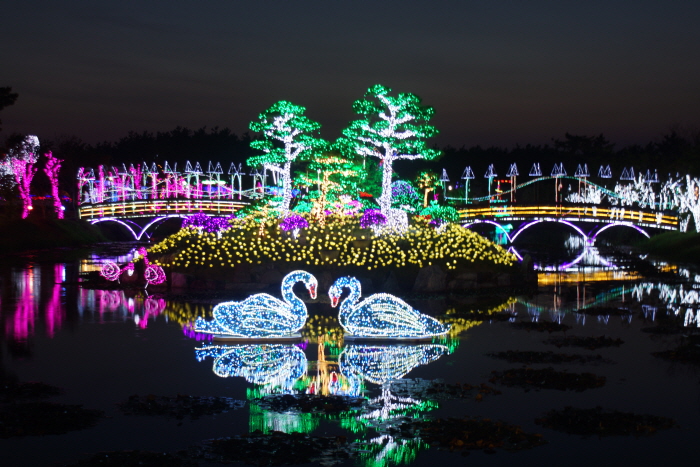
pixel 257 241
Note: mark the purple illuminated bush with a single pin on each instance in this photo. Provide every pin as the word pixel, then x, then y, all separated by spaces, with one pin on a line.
pixel 293 222
pixel 195 220
pixel 372 217
pixel 206 223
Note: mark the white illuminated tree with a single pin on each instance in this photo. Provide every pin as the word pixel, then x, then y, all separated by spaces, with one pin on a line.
pixel 19 162
pixel 391 128
pixel 287 135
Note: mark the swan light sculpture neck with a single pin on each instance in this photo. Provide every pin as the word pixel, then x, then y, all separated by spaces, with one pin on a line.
pixel 380 315
pixel 262 315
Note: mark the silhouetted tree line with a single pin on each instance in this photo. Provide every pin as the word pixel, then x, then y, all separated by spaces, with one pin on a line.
pixel 676 152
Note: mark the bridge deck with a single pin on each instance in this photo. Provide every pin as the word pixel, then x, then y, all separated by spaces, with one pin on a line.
pixel 160 207
pixel 577 213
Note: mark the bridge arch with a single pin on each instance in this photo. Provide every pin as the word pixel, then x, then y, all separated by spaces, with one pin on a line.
pixel 136 230
pixel 617 224
pixel 527 225
pixel 494 223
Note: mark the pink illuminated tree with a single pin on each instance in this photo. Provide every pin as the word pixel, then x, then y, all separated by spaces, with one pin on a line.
pixel 52 167
pixel 24 173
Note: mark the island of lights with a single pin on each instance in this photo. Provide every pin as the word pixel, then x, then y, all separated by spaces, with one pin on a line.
pixel 275 366
pixel 255 240
pixel 261 315
pixel 381 315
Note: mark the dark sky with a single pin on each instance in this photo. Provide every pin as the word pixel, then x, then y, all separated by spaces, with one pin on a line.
pixel 497 72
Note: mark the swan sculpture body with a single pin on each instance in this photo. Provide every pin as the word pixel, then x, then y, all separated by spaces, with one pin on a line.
pixel 262 315
pixel 380 315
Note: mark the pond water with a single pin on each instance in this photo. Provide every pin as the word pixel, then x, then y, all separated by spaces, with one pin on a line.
pixel 120 351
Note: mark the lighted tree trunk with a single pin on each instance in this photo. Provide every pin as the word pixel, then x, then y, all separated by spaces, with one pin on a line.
pixel 52 167
pixel 24 173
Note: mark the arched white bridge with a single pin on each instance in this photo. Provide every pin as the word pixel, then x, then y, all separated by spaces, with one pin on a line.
pixel 572 216
pixel 140 216
pixel 589 237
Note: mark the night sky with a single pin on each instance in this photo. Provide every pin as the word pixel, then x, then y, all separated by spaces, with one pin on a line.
pixel 497 72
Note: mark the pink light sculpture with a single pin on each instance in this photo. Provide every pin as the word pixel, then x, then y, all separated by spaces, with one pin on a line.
pixel 24 173
pixel 52 167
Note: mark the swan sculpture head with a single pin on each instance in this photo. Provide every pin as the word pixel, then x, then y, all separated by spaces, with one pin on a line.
pixel 341 283
pixel 300 276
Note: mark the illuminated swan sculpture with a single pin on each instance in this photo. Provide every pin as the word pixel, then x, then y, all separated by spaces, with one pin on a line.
pixel 380 315
pixel 262 315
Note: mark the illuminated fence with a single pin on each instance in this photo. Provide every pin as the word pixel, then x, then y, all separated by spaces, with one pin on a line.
pixel 579 213
pixel 159 208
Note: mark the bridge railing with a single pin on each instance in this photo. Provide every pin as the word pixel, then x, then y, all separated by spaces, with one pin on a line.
pixel 578 213
pixel 159 207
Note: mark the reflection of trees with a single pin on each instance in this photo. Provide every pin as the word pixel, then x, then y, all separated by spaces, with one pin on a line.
pixel 679 299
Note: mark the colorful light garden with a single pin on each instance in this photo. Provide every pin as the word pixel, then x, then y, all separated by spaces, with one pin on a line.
pixel 323 215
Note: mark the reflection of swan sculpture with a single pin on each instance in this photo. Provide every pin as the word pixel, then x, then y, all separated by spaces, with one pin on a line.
pixel 271 365
pixel 262 315
pixel 379 364
pixel 380 315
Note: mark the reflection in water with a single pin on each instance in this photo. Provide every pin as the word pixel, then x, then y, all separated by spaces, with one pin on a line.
pixel 275 367
pixel 379 364
pixel 386 365
pixel 679 299
pixel 116 304
pixel 30 299
pixel 95 262
pixel 38 298
pixel 279 369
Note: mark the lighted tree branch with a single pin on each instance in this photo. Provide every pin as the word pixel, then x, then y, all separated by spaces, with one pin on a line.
pixel 52 167
pixel 392 128
pixel 287 135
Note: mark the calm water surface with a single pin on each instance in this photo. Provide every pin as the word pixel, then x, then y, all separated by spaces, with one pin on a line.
pixel 102 346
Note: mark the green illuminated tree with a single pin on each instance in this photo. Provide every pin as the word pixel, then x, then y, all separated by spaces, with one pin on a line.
pixel 391 128
pixel 427 181
pixel 287 135
pixel 334 175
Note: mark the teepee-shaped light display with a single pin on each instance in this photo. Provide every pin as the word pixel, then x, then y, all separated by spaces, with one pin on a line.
pixel 605 172
pixel 535 171
pixel 490 174
pixel 557 172
pixel 513 174
pixel 467 175
pixel 627 174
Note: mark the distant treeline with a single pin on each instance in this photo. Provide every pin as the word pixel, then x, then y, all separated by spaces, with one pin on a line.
pixel 676 152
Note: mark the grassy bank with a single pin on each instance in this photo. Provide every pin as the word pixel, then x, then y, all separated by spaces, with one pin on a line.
pixel 19 235
pixel 681 247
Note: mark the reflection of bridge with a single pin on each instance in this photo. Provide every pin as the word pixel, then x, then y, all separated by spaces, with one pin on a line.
pixel 500 215
pixel 139 216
